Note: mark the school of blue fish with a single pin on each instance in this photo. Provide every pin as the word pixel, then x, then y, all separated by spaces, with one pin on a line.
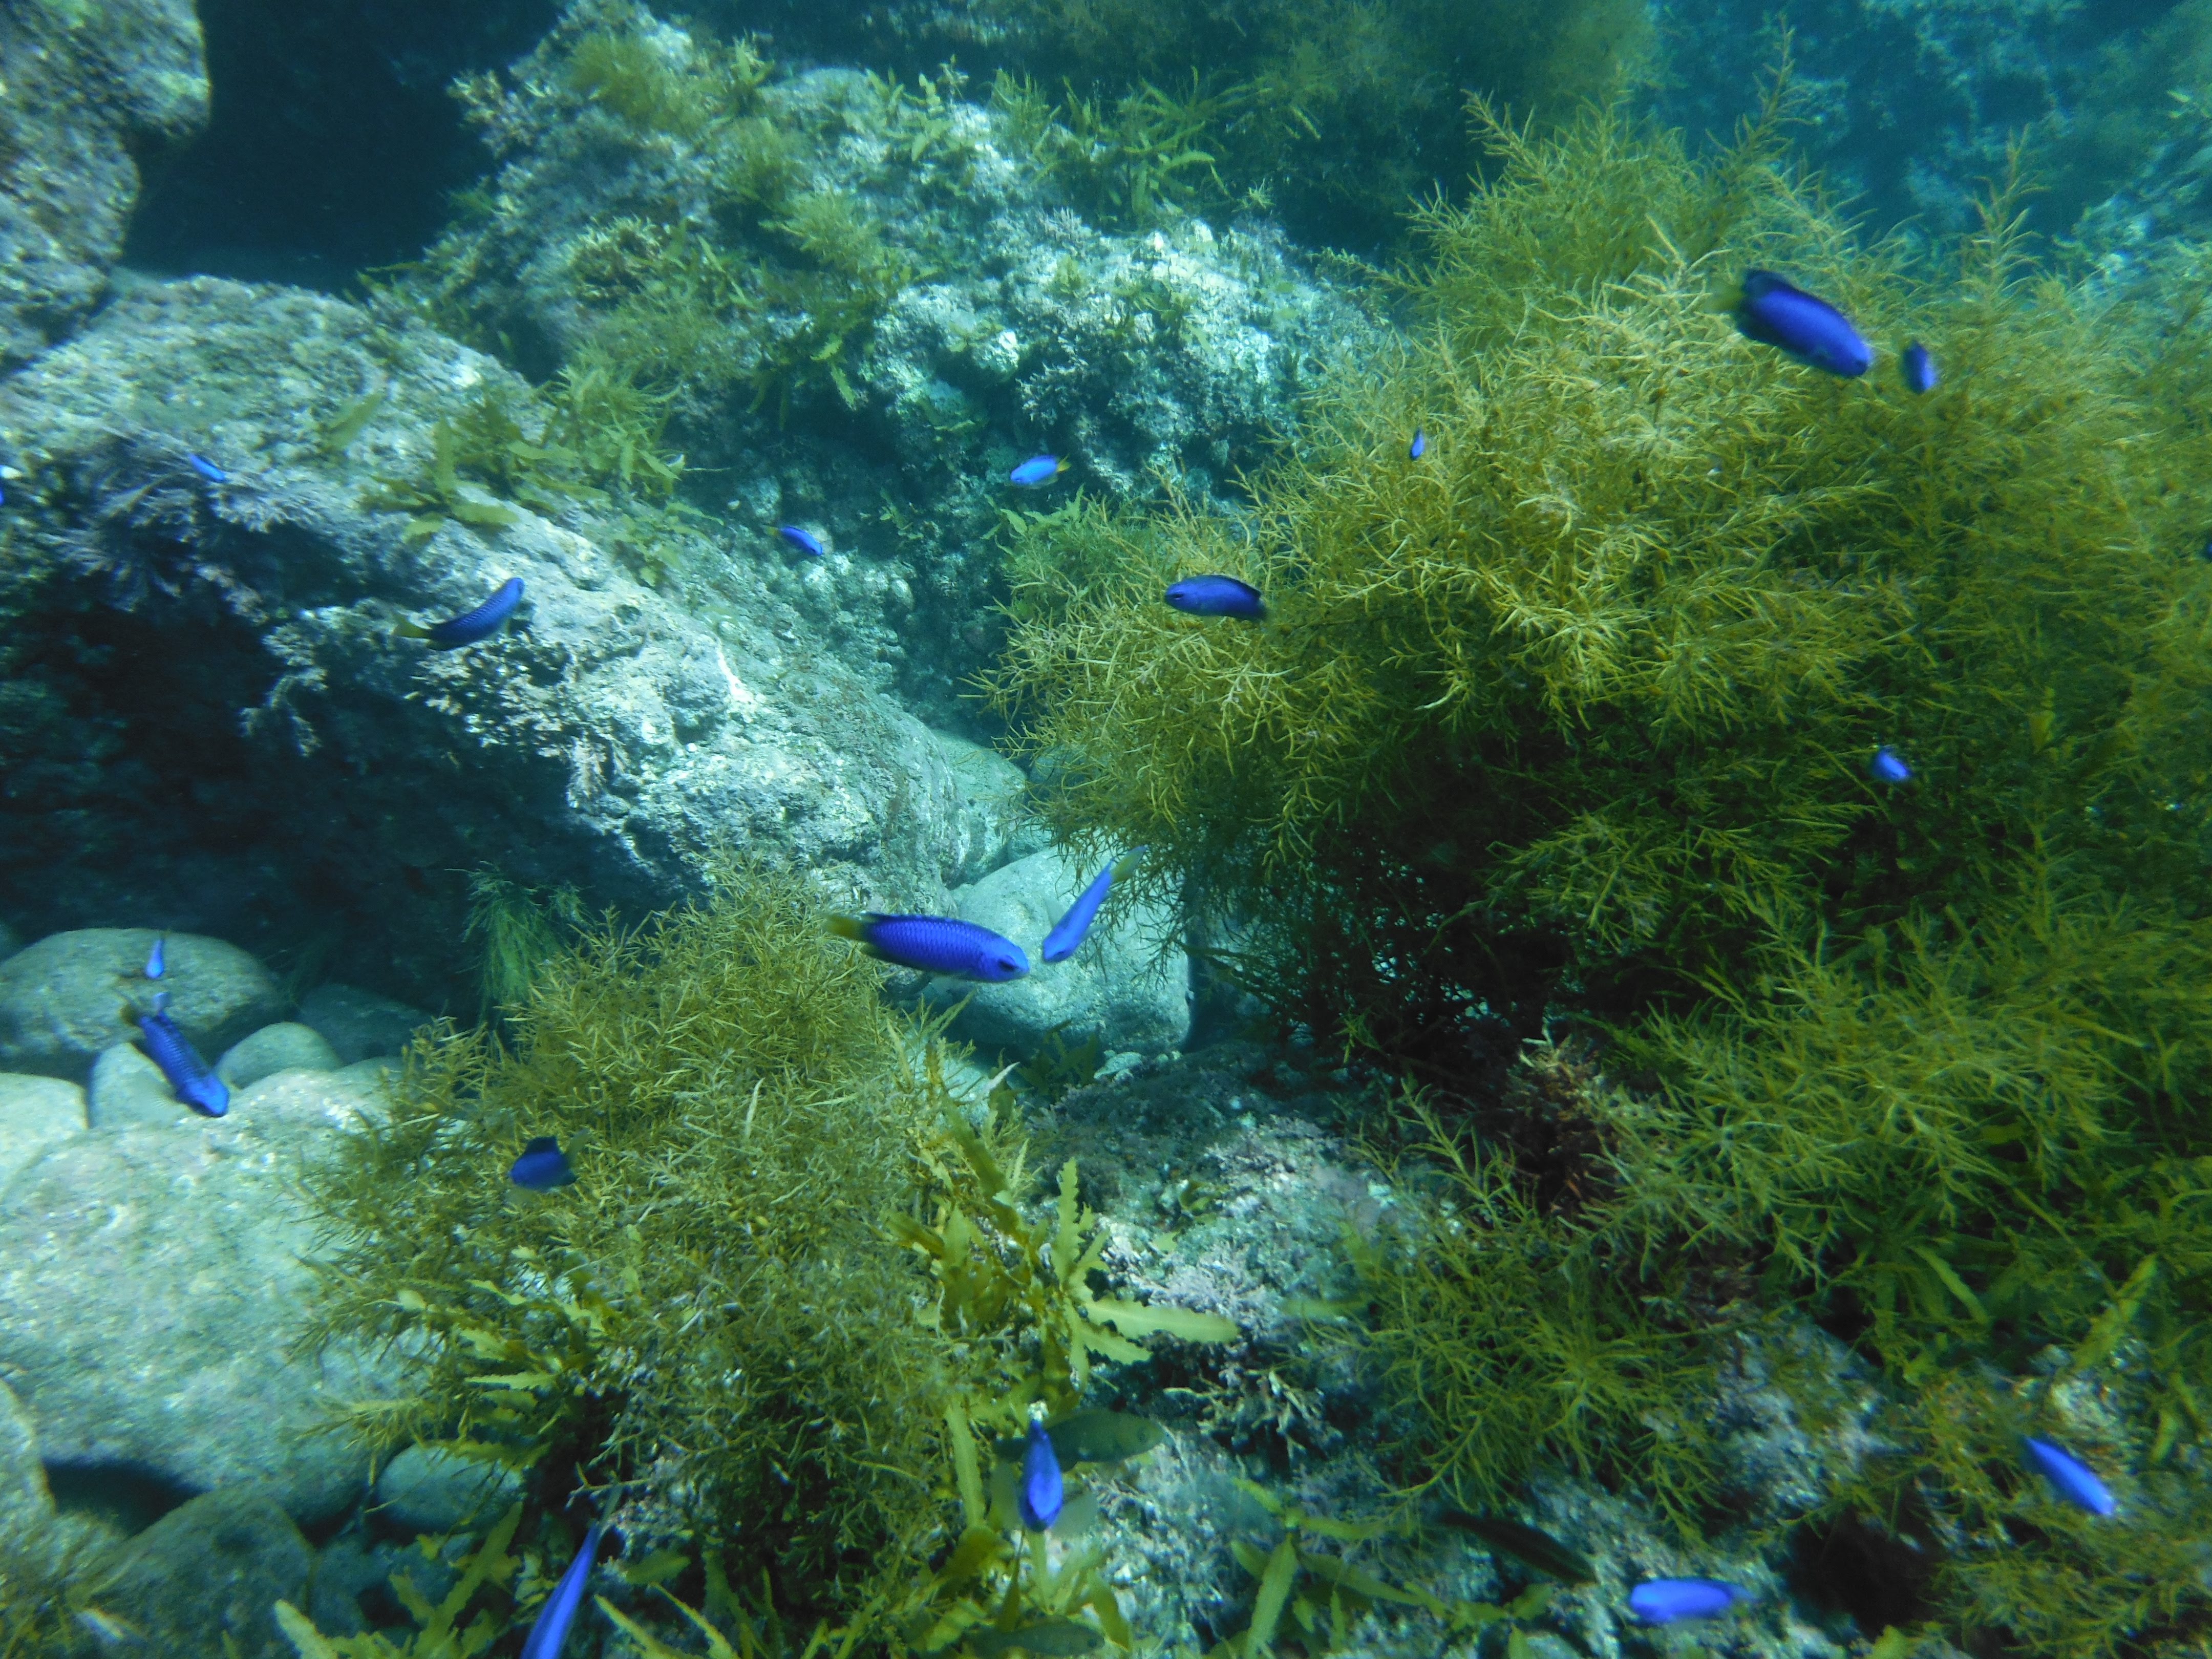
pixel 1767 309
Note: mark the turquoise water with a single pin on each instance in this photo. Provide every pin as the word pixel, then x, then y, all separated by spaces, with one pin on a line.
pixel 1093 825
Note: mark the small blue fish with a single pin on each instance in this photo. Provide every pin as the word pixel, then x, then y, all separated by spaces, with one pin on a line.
pixel 1039 470
pixel 1889 767
pixel 804 540
pixel 551 1633
pixel 2074 1481
pixel 469 626
pixel 1663 1601
pixel 1920 367
pixel 543 1166
pixel 1420 445
pixel 936 945
pixel 1067 932
pixel 190 1078
pixel 1043 1494
pixel 157 961
pixel 207 468
pixel 1808 327
pixel 1217 596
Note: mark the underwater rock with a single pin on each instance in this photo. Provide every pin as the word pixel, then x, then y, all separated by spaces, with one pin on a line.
pixel 1119 986
pixel 357 1024
pixel 987 819
pixel 152 1282
pixel 346 1570
pixel 428 1489
pixel 286 1045
pixel 206 1577
pixel 26 1505
pixel 610 737
pixel 918 308
pixel 127 1091
pixel 35 1112
pixel 61 999
pixel 90 90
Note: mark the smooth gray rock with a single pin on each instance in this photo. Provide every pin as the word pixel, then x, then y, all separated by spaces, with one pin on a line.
pixel 61 999
pixel 127 1091
pixel 1116 986
pixel 359 1024
pixel 428 1489
pixel 35 1113
pixel 90 85
pixel 152 1282
pixel 206 1577
pixel 286 1046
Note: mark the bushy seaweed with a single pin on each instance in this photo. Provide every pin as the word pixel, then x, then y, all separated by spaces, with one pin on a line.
pixel 790 1280
pixel 713 1306
pixel 1572 715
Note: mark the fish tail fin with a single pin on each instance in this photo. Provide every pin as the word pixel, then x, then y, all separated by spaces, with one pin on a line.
pixel 1128 864
pixel 408 630
pixel 854 928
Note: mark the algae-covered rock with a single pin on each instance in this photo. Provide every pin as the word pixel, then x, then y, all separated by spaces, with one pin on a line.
pixel 35 1113
pixel 206 1577
pixel 609 736
pixel 87 88
pixel 152 1283
pixel 61 999
pixel 1120 985
pixel 286 1045
pixel 425 1489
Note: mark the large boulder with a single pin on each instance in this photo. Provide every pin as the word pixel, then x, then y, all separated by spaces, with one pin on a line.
pixel 26 1505
pixel 427 1489
pixel 206 1577
pixel 61 1001
pixel 89 86
pixel 286 1045
pixel 612 736
pixel 153 1283
pixel 35 1113
pixel 1129 985
pixel 127 1091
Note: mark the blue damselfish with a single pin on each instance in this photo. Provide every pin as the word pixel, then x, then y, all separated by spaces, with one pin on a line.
pixel 1043 1493
pixel 543 1166
pixel 157 961
pixel 1809 328
pixel 1663 1601
pixel 804 540
pixel 551 1633
pixel 1217 596
pixel 936 945
pixel 1889 766
pixel 207 468
pixel 190 1078
pixel 1420 446
pixel 1067 932
pixel 2074 1479
pixel 1039 470
pixel 469 626
pixel 1920 367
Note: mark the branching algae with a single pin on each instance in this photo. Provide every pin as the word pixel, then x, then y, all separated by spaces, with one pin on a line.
pixel 1574 712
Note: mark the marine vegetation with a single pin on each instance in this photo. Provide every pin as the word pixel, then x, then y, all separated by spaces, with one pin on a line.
pixel 736 271
pixel 1568 722
pixel 789 1272
pixel 1334 115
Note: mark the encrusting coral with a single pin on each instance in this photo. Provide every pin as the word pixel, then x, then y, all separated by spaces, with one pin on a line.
pixel 1572 714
